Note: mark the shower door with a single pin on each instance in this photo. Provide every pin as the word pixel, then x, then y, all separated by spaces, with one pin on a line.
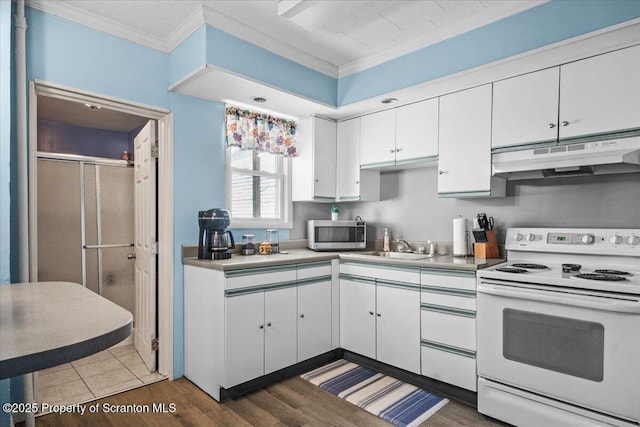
pixel 86 227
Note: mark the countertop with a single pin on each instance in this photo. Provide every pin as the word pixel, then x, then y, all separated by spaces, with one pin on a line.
pixel 44 324
pixel 296 256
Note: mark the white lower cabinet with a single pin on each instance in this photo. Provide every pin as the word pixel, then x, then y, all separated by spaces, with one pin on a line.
pixel 260 331
pixel 243 324
pixel 357 315
pixel 379 316
pixel 448 327
pixel 244 338
pixel 314 317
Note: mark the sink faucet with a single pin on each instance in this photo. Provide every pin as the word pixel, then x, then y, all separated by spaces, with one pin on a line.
pixel 405 243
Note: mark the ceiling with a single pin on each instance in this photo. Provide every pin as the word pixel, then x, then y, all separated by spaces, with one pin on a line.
pixel 335 37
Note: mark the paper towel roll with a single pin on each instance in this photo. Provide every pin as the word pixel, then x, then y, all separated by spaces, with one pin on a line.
pixel 459 237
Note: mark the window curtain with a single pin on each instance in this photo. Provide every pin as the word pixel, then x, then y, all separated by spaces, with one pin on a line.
pixel 261 132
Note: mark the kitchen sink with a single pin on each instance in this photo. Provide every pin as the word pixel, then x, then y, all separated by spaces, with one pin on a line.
pixel 398 255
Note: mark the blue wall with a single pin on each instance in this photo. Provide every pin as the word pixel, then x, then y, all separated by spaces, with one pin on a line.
pixel 61 138
pixel 6 60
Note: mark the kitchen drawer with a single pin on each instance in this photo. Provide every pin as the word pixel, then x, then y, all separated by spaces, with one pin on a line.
pixel 449 365
pixel 444 297
pixel 448 326
pixel 314 269
pixel 252 277
pixel 389 273
pixel 449 279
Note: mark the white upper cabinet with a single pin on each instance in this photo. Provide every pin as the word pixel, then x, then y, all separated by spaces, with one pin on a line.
pixel 400 136
pixel 353 183
pixel 417 131
pixel 525 109
pixel 600 94
pixel 464 162
pixel 314 168
pixel 378 139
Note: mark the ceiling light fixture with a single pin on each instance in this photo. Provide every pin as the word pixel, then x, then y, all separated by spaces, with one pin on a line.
pixel 389 100
pixel 93 107
pixel 258 99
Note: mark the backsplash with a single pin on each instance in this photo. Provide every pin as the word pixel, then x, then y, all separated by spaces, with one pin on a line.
pixel 411 209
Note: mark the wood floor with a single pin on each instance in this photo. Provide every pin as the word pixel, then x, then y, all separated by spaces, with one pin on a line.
pixel 293 402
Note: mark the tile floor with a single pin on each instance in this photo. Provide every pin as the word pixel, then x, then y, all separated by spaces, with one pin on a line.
pixel 102 374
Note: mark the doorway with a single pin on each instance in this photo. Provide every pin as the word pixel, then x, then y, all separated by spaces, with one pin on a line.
pixel 104 179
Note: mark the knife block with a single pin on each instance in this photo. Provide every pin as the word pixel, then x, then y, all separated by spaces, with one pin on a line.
pixel 488 250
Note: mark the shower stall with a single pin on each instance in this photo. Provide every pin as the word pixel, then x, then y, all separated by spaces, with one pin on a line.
pixel 86 224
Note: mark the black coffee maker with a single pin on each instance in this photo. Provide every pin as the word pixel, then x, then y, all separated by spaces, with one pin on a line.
pixel 215 241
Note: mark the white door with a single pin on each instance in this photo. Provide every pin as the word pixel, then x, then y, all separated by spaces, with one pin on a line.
pixel 378 138
pixel 464 162
pixel 525 109
pixel 145 244
pixel 280 348
pixel 398 327
pixel 314 319
pixel 417 130
pixel 357 316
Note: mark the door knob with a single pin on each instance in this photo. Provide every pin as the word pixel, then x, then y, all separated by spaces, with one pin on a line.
pixel 268 323
pixel 261 326
pixel 131 256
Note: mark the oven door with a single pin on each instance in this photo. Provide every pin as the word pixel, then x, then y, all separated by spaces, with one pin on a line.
pixel 581 349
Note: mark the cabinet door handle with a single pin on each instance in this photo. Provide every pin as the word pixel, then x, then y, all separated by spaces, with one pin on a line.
pixel 379 314
pixel 392 151
pixel 268 323
pixel 302 315
pixel 357 182
pixel 317 180
pixel 371 313
pixel 398 149
pixel 440 172
pixel 565 123
pixel 261 326
pixel 552 125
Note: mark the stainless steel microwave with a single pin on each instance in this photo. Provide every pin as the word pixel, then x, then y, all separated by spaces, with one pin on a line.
pixel 326 235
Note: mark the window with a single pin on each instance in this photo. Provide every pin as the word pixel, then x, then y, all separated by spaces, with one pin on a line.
pixel 259 147
pixel 258 188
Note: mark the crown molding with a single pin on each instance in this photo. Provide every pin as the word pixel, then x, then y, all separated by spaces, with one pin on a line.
pixel 242 31
pixel 475 22
pixel 71 13
pixel 185 29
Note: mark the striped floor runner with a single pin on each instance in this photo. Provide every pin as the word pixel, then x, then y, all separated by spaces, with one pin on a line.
pixel 392 400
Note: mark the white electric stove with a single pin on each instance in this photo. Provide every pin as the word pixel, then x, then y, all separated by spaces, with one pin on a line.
pixel 559 328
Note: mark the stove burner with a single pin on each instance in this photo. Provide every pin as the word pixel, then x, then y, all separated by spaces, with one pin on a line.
pixel 568 268
pixel 530 266
pixel 601 276
pixel 511 270
pixel 616 272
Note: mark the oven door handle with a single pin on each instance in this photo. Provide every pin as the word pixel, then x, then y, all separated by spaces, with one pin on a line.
pixel 604 304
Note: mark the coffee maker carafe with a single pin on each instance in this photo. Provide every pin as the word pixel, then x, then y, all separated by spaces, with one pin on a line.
pixel 215 241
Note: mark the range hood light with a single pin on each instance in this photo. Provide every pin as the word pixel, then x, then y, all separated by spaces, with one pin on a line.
pixel 258 99
pixel 92 107
pixel 389 100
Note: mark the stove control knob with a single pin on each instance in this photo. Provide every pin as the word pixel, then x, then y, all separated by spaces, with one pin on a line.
pixel 587 239
pixel 615 239
pixel 531 237
pixel 633 240
pixel 517 236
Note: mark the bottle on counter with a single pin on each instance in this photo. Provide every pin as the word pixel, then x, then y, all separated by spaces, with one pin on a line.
pixel 385 241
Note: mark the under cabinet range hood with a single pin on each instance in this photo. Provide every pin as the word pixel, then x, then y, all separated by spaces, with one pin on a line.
pixel 586 158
